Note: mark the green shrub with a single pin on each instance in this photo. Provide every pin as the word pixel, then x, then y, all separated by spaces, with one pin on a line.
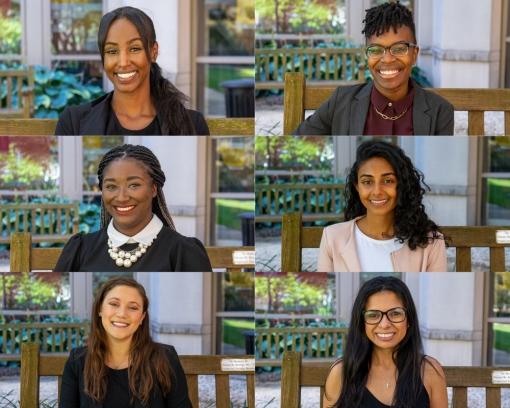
pixel 54 91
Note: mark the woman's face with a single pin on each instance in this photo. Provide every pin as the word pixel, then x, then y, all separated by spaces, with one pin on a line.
pixel 125 58
pixel 122 313
pixel 377 187
pixel 391 74
pixel 127 195
pixel 385 334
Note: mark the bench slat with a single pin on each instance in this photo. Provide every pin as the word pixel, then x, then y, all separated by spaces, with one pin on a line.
pixel 192 381
pixel 460 397
pixel 222 391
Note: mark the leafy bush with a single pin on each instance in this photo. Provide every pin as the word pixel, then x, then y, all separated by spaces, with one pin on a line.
pixel 54 91
pixel 26 333
pixel 325 203
pixel 310 349
pixel 89 220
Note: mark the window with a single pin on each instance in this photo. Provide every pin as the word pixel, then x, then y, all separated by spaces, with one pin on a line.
pixel 498 330
pixel 225 49
pixel 10 27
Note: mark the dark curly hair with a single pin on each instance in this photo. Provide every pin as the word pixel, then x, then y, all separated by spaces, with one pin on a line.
pixel 378 20
pixel 411 223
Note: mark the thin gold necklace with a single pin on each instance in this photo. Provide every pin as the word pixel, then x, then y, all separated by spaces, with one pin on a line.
pixel 115 367
pixel 390 117
pixel 387 383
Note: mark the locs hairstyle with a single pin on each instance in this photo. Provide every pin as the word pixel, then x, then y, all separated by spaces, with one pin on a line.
pixel 170 103
pixel 378 20
pixel 408 355
pixel 150 162
pixel 411 222
pixel 150 367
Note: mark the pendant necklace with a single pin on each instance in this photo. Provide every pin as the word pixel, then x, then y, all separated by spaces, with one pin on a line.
pixel 118 365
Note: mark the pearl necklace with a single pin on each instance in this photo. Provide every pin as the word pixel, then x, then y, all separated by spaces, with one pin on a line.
pixel 127 258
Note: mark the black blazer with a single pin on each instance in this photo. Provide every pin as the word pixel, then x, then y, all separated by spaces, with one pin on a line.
pixel 90 119
pixel 72 394
pixel 345 113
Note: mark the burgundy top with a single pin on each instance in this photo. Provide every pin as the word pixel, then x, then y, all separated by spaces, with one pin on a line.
pixel 376 125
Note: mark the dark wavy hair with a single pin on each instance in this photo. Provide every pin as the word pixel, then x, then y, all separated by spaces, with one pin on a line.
pixel 411 222
pixel 150 163
pixel 170 103
pixel 408 355
pixel 379 19
pixel 149 368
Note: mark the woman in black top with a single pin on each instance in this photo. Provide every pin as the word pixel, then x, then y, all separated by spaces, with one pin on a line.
pixel 122 366
pixel 384 364
pixel 137 231
pixel 143 101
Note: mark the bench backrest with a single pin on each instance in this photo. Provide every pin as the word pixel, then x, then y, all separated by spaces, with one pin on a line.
pixel 297 374
pixel 311 342
pixel 295 237
pixel 34 365
pixel 24 258
pixel 57 338
pixel 331 64
pixel 298 97
pixel 46 127
pixel 51 219
pixel 12 79
pixel 324 198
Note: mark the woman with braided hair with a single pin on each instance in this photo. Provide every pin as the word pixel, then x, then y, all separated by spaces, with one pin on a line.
pixel 143 102
pixel 386 228
pixel 393 104
pixel 137 231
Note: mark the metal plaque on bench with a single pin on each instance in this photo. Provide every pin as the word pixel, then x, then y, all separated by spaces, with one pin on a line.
pixel 501 377
pixel 503 236
pixel 238 364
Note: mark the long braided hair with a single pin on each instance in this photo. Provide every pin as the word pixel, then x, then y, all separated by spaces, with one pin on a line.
pixel 378 20
pixel 150 162
pixel 169 102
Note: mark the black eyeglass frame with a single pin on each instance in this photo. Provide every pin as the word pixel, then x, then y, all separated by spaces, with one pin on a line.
pixel 385 313
pixel 389 48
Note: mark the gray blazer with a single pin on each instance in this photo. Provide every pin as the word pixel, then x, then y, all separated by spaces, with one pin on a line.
pixel 345 113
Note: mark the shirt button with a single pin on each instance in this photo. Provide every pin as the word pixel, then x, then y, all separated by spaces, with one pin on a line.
pixel 390 104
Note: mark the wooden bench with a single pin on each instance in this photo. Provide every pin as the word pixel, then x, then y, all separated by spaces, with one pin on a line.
pixel 53 222
pixel 13 80
pixel 34 366
pixel 274 199
pixel 299 97
pixel 333 66
pixel 297 374
pixel 24 258
pixel 325 339
pixel 295 237
pixel 39 331
pixel 46 127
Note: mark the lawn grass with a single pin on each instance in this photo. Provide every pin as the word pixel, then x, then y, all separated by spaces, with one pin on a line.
pixel 221 73
pixel 232 330
pixel 501 337
pixel 227 211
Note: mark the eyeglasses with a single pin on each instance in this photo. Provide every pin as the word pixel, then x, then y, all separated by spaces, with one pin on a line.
pixel 395 315
pixel 397 50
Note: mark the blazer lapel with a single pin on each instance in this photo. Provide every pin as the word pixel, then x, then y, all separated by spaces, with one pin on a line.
pixel 350 253
pixel 421 120
pixel 359 110
pixel 94 121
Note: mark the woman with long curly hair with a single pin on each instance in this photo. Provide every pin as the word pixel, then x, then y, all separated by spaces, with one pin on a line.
pixel 386 226
pixel 122 366
pixel 143 101
pixel 384 364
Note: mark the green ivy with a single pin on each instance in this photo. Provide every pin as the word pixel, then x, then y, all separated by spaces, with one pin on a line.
pixel 54 91
pixel 89 219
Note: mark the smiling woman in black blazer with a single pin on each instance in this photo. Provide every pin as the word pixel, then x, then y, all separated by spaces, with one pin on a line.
pixel 122 366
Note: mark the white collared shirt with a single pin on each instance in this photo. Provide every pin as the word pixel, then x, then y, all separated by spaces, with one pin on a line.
pixel 145 236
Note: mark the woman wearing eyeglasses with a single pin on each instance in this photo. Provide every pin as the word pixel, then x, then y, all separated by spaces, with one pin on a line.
pixel 393 104
pixel 383 363
pixel 386 228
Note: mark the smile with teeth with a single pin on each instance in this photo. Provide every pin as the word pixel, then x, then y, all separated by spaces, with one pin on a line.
pixel 126 75
pixel 385 335
pixel 119 324
pixel 125 208
pixel 378 202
